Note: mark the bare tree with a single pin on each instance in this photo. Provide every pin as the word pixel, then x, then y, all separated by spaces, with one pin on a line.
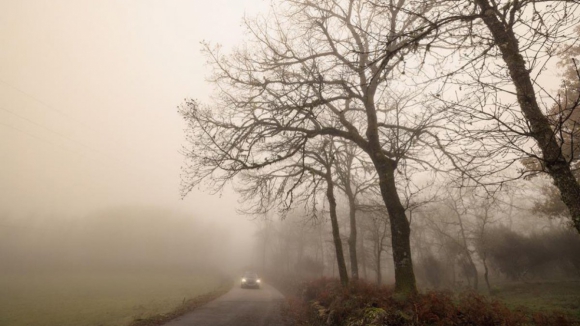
pixel 354 178
pixel 564 116
pixel 376 226
pixel 502 23
pixel 293 249
pixel 450 223
pixel 499 51
pixel 316 68
pixel 299 180
pixel 484 217
pixel 325 158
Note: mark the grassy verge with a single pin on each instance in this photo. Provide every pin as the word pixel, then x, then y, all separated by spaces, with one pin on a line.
pixel 561 296
pixel 96 299
pixel 185 307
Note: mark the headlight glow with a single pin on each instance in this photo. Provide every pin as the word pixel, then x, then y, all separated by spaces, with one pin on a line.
pixel 244 280
pixel 258 281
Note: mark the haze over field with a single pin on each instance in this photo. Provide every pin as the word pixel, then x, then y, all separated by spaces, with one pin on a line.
pixel 88 119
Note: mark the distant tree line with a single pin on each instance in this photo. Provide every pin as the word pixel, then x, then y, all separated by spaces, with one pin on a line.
pixel 121 239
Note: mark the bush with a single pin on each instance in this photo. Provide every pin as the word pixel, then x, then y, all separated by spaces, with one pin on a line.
pixel 565 244
pixel 326 302
pixel 545 253
pixel 431 270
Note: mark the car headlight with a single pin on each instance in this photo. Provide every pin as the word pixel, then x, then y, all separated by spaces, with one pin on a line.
pixel 243 280
pixel 258 281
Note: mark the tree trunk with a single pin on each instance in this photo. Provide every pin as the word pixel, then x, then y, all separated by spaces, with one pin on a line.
pixel 335 231
pixel 299 256
pixel 555 163
pixel 400 229
pixel 353 233
pixel 472 266
pixel 379 273
pixel 474 273
pixel 322 255
pixel 265 247
pixel 466 274
pixel 363 257
pixel 486 275
pixel 454 273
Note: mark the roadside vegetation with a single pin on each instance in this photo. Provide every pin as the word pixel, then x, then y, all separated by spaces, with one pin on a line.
pixel 527 277
pixel 180 310
pixel 88 299
pixel 325 302
pixel 542 296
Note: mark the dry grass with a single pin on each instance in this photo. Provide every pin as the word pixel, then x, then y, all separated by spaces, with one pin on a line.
pixel 185 307
pixel 96 299
pixel 545 296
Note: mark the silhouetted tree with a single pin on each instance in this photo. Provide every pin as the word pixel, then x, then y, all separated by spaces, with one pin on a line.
pixel 354 177
pixel 317 69
pixel 499 51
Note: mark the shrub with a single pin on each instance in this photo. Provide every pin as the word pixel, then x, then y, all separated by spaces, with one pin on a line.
pixel 543 253
pixel 431 270
pixel 565 245
pixel 326 302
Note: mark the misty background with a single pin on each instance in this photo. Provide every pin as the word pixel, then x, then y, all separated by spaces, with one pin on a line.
pixel 90 141
pixel 90 135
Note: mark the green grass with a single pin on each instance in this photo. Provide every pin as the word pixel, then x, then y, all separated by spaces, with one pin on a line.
pixel 562 296
pixel 95 299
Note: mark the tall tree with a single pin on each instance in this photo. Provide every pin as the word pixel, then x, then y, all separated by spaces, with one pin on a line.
pixel 377 226
pixel 564 116
pixel 300 178
pixel 353 178
pixel 450 222
pixel 502 23
pixel 325 158
pixel 314 69
pixel 495 57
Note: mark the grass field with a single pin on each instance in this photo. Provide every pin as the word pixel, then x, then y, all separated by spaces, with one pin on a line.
pixel 95 299
pixel 543 296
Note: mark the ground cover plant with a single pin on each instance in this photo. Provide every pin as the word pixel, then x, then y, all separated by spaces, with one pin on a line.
pixel 542 296
pixel 325 302
pixel 96 298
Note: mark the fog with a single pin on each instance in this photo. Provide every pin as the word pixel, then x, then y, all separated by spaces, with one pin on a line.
pixel 90 135
pixel 390 162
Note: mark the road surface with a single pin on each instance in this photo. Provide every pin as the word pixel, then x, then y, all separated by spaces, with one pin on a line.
pixel 239 307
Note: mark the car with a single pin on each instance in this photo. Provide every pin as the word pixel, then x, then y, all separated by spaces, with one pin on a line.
pixel 250 280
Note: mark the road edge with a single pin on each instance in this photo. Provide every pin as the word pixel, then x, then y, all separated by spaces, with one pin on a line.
pixel 186 307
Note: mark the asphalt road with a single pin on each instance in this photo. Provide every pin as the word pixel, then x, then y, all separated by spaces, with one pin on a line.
pixel 239 307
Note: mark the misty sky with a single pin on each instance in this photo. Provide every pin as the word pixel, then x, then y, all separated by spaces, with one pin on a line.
pixel 88 96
